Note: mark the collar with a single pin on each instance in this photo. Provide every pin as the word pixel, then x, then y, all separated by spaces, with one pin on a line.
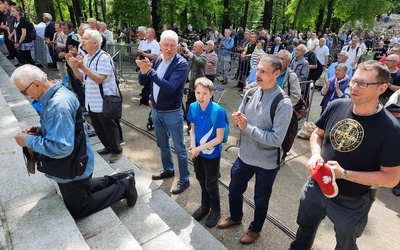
pixel 50 92
pixel 71 33
pixel 48 23
pixel 283 72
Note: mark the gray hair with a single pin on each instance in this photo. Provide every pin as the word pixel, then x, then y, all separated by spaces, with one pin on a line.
pixel 343 66
pixel 141 29
pixel 85 26
pixel 28 73
pixel 274 60
pixel 95 35
pixel 169 34
pixel 48 16
pixel 287 54
pixel 302 47
pixel 211 42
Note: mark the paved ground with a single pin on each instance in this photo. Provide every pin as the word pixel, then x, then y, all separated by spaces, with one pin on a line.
pixel 384 222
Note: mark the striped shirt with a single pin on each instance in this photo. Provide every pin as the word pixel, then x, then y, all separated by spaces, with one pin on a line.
pixel 102 64
pixel 212 58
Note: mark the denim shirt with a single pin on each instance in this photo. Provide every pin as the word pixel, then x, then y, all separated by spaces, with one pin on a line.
pixel 57 127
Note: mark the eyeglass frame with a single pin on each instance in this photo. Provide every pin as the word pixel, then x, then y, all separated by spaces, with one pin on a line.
pixel 353 82
pixel 24 91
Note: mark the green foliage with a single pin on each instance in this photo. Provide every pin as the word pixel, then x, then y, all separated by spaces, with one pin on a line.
pixel 134 12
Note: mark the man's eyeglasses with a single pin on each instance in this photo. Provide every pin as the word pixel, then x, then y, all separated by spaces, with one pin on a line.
pixel 390 60
pixel 24 91
pixel 362 84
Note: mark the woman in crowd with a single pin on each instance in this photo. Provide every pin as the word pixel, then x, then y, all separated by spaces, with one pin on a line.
pixel 58 43
pixel 338 86
pixel 22 40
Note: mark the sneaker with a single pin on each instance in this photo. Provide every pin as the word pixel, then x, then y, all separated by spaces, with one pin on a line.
pixel 213 218
pixel 200 213
pixel 10 57
pixel 18 64
pixel 131 192
pixel 227 223
pixel 180 187
pixel 324 175
pixel 162 175
pixel 91 133
pixel 249 237
pixel 122 143
pixel 114 157
pixel 103 151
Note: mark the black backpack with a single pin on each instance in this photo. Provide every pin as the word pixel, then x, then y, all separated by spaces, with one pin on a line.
pixel 292 129
pixel 32 31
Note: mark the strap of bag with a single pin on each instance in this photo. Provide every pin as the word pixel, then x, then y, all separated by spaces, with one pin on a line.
pixel 115 76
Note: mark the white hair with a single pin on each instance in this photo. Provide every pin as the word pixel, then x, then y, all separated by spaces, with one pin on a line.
pixel 28 73
pixel 169 34
pixel 48 16
pixel 95 35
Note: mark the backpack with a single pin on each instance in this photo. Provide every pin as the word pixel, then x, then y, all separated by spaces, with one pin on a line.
pixel 292 129
pixel 214 111
pixel 32 31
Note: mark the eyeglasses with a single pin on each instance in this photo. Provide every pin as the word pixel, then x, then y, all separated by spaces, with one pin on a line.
pixel 362 84
pixel 208 43
pixel 24 91
pixel 390 60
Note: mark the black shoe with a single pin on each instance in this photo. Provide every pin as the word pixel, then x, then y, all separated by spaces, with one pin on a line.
pixel 162 175
pixel 131 192
pixel 17 65
pixel 224 83
pixel 180 187
pixel 121 175
pixel 91 133
pixel 200 213
pixel 221 80
pixel 10 57
pixel 213 218
pixel 396 190
pixel 103 151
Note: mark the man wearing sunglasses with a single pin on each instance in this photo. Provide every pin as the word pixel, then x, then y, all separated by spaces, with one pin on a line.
pixel 391 62
pixel 359 140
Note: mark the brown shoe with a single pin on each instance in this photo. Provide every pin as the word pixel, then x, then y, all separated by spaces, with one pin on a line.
pixel 249 237
pixel 114 157
pixel 103 151
pixel 227 223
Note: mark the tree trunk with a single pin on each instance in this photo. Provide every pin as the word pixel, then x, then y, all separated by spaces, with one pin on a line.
pixel 327 23
pixel 72 14
pixel 60 11
pixel 320 19
pixel 296 15
pixel 90 9
pixel 225 16
pixel 185 21
pixel 96 10
pixel 156 18
pixel 103 10
pixel 77 12
pixel 52 9
pixel 268 4
pixel 246 13
pixel 41 7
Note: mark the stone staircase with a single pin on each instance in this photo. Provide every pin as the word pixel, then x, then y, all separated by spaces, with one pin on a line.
pixel 33 215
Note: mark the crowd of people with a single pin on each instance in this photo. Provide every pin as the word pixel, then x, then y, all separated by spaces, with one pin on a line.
pixel 354 97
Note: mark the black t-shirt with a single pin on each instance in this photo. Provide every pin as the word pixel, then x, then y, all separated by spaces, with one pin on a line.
pixel 395 81
pixel 359 143
pixel 379 52
pixel 20 24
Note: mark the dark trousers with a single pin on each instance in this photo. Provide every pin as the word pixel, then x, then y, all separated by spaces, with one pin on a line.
pixel 87 196
pixel 107 131
pixel 348 216
pixel 12 51
pixel 241 173
pixel 26 57
pixel 190 99
pixel 77 86
pixel 207 172
pixel 211 77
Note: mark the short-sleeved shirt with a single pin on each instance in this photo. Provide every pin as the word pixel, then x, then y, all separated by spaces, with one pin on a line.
pixel 204 129
pixel 322 53
pixel 359 143
pixel 101 64
pixel 152 48
pixel 20 24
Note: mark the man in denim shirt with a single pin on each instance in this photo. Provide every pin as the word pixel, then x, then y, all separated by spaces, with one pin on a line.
pixel 54 138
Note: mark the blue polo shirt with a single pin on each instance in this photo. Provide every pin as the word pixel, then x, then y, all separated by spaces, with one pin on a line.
pixel 204 130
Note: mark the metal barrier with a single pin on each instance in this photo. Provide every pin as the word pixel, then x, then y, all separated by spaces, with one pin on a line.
pixel 124 58
pixel 234 69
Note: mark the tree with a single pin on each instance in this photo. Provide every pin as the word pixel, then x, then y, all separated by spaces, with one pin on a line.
pixel 268 4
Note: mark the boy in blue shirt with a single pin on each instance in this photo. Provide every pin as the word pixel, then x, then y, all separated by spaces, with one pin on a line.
pixel 205 149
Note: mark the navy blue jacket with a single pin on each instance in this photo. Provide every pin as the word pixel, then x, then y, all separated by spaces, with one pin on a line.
pixel 171 85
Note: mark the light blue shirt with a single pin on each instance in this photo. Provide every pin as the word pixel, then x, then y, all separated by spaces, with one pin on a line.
pixel 57 126
pixel 162 68
pixel 330 72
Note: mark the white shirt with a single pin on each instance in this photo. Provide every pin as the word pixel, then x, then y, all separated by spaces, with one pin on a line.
pixel 152 46
pixel 322 53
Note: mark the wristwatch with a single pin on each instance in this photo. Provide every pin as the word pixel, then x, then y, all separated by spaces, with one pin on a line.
pixel 344 174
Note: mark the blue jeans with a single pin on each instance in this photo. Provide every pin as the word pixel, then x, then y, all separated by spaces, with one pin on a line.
pixel 225 66
pixel 241 173
pixel 166 125
pixel 348 216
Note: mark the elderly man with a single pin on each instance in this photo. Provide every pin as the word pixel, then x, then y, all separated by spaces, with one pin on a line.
pixel 49 31
pixel 361 162
pixel 167 76
pixel 97 69
pixel 354 53
pixel 299 64
pixel 287 79
pixel 278 46
pixel 148 49
pixel 212 60
pixel 342 58
pixel 322 54
pixel 197 67
pixel 226 45
pixel 141 34
pixel 56 138
pixel 258 153
pixel 106 33
pixel 391 62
